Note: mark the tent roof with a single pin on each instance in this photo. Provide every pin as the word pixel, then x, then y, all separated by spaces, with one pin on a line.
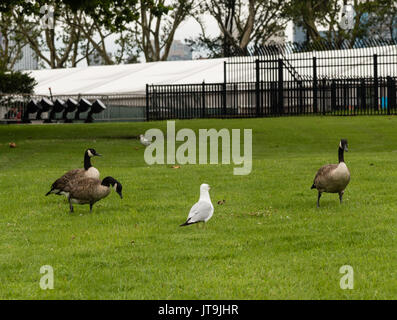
pixel 127 78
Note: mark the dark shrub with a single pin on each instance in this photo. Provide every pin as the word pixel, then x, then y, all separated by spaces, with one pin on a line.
pixel 16 82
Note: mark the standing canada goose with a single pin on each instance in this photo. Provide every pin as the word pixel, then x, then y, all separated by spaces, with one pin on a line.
pixel 88 172
pixel 333 178
pixel 90 191
pixel 203 210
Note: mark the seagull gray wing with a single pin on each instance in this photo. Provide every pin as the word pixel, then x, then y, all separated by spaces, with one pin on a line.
pixel 199 212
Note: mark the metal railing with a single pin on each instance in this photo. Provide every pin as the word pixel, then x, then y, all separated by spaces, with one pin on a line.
pixel 342 64
pixel 289 80
pixel 366 96
pixel 15 108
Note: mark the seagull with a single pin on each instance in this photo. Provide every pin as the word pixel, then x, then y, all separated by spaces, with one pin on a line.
pixel 145 141
pixel 203 210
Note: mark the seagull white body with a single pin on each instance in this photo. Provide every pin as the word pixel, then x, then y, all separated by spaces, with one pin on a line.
pixel 145 141
pixel 202 210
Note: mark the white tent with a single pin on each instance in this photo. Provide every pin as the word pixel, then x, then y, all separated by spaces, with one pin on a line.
pixel 128 78
pixel 132 78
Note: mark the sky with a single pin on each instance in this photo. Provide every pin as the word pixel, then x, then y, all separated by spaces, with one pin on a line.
pixel 191 28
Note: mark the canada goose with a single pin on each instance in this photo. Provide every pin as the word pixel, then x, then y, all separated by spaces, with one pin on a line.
pixel 90 191
pixel 333 178
pixel 88 172
pixel 203 210
pixel 145 141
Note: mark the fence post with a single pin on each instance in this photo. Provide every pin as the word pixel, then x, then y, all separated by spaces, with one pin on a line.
pixel 224 99
pixel 391 95
pixel 235 100
pixel 315 85
pixel 147 102
pixel 224 89
pixel 203 100
pixel 300 96
pixel 363 95
pixel 333 95
pixel 323 94
pixel 257 87
pixel 224 72
pixel 376 84
pixel 280 87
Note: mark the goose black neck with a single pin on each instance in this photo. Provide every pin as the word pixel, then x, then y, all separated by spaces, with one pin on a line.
pixel 341 155
pixel 108 181
pixel 87 161
pixel 105 183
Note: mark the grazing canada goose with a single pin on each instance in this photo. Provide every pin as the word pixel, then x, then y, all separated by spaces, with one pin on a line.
pixel 333 178
pixel 203 210
pixel 145 141
pixel 90 191
pixel 88 172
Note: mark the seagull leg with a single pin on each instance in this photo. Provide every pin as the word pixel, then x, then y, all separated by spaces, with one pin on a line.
pixel 318 199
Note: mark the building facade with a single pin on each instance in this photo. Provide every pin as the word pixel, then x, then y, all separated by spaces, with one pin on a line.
pixel 28 60
pixel 179 51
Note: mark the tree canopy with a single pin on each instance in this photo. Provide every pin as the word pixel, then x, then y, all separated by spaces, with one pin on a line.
pixel 63 33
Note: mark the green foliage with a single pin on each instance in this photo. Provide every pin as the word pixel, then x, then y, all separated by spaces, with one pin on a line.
pixel 241 23
pixel 209 47
pixel 16 82
pixel 369 17
pixel 267 241
pixel 78 26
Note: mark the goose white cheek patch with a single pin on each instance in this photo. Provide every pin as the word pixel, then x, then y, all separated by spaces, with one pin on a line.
pixel 90 153
pixel 115 187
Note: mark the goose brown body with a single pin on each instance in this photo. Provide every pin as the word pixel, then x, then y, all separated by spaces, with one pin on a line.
pixel 333 178
pixel 58 187
pixel 62 182
pixel 90 190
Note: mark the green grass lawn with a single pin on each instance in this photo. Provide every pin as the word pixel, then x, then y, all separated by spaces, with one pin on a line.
pixel 268 241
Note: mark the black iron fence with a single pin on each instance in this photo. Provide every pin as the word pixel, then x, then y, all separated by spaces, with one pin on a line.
pixel 364 60
pixel 366 96
pixel 281 80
